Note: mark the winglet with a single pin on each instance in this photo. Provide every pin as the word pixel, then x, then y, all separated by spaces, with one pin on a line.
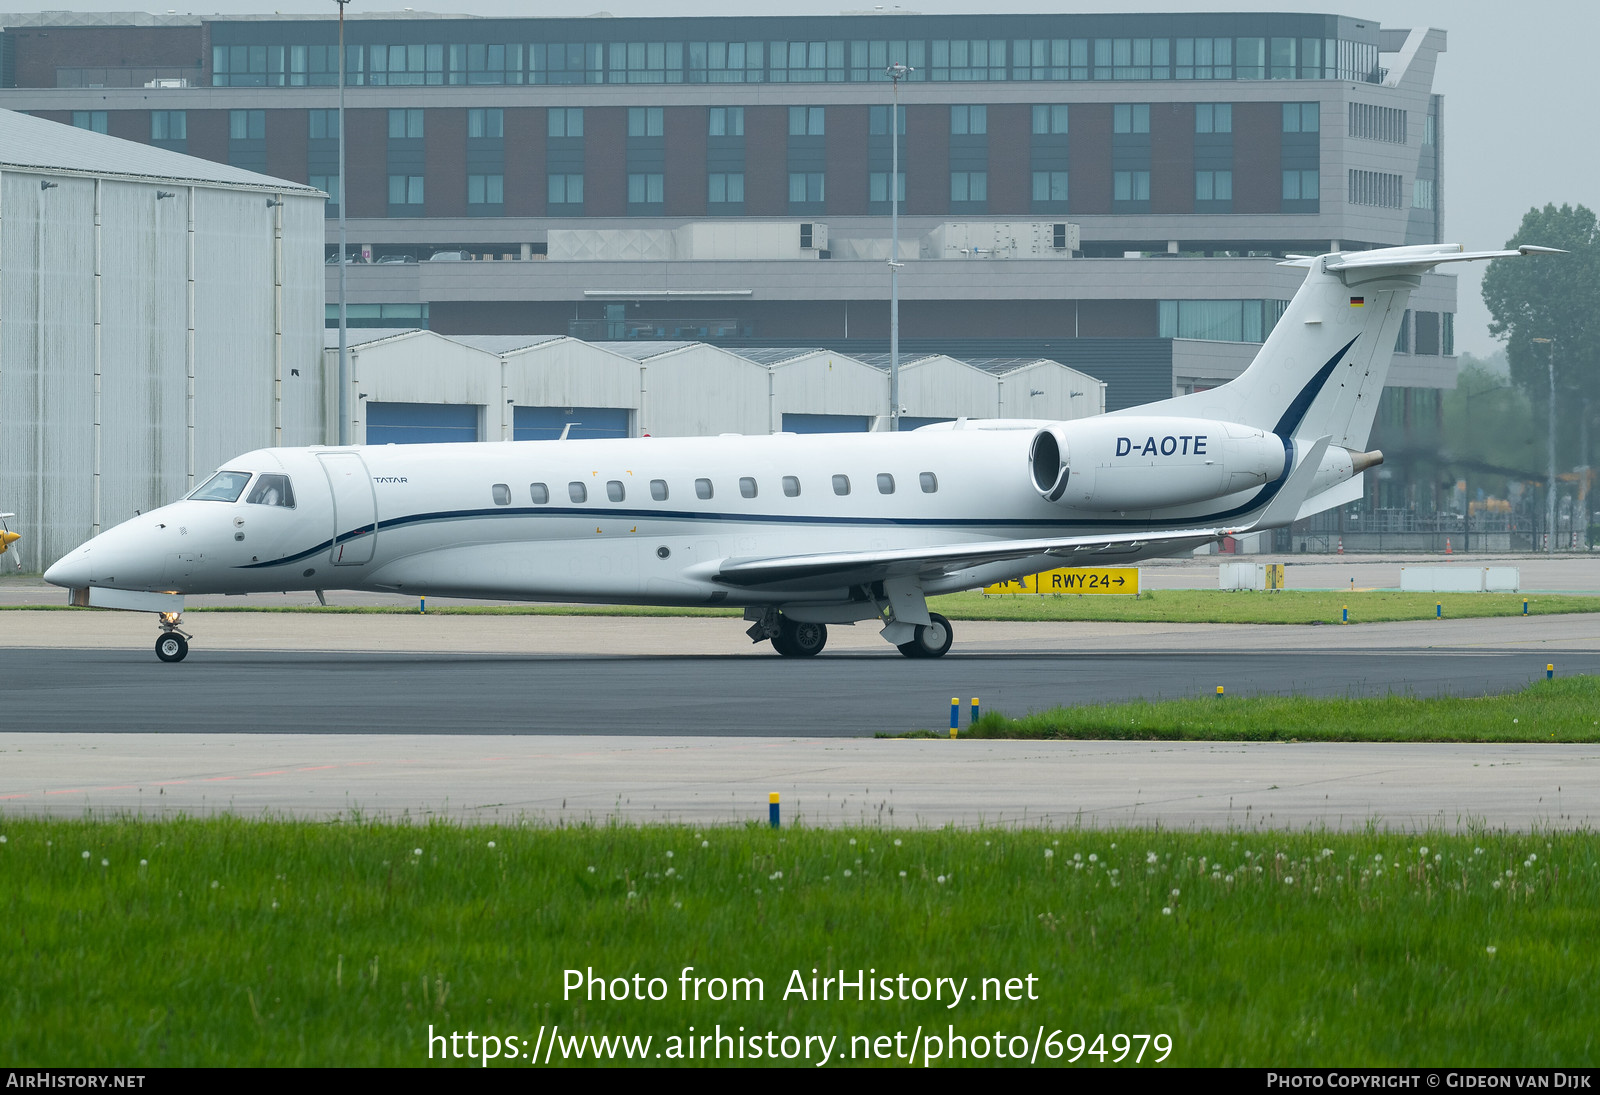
pixel 1285 506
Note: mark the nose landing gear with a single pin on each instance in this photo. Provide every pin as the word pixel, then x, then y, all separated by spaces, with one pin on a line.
pixel 172 645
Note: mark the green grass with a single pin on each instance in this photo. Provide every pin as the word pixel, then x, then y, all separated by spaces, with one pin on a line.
pixel 1566 710
pixel 1165 606
pixel 227 942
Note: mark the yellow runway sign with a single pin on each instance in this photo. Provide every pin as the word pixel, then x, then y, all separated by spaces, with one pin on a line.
pixel 1115 581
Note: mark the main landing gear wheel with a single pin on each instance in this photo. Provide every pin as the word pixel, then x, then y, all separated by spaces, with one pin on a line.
pixel 172 647
pixel 797 639
pixel 930 641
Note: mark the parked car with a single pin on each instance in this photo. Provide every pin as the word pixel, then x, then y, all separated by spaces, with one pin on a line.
pixel 354 256
pixel 450 256
pixel 396 260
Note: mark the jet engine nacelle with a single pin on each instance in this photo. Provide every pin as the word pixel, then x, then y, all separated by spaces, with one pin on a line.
pixel 1143 462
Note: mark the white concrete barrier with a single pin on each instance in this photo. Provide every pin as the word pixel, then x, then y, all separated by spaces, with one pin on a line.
pixel 1460 579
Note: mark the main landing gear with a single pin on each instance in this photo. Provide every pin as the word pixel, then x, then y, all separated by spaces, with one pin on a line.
pixel 791 638
pixel 932 640
pixel 172 645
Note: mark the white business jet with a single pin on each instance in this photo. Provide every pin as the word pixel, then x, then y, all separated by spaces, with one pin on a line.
pixel 801 531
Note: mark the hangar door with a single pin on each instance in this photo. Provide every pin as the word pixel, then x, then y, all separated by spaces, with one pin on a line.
pixel 546 423
pixel 826 423
pixel 421 423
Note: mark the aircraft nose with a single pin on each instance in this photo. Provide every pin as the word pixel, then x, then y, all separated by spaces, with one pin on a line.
pixel 71 570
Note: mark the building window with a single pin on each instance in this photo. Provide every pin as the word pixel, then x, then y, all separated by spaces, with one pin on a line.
pixel 972 119
pixel 1378 123
pixel 486 122
pixel 805 187
pixel 486 189
pixel 1050 186
pixel 247 125
pixel 324 124
pixel 329 185
pixel 1205 59
pixel 1430 129
pixel 1219 320
pixel 725 121
pixel 1301 118
pixel 1130 186
pixel 1213 118
pixel 92 120
pixel 969 186
pixel 1213 186
pixel 1375 188
pixel 405 189
pixel 805 121
pixel 646 121
pixel 1422 194
pixel 566 121
pixel 878 186
pixel 1300 186
pixel 169 125
pixel 566 189
pixel 646 189
pixel 1050 118
pixel 878 120
pixel 725 188
pixel 405 125
pixel 1130 118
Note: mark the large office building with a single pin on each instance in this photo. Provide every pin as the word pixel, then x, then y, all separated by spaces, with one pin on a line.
pixel 1106 190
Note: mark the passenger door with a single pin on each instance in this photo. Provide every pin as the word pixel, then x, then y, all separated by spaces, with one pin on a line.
pixel 355 508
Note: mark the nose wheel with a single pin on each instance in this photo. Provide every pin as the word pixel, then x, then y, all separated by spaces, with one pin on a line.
pixel 172 645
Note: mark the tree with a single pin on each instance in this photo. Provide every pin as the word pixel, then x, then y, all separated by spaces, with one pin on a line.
pixel 1553 297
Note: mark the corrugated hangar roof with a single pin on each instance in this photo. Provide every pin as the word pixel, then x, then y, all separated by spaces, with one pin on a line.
pixel 33 144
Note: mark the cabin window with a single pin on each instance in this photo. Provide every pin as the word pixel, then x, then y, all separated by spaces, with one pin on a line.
pixel 841 484
pixel 658 489
pixel 885 483
pixel 225 486
pixel 272 490
pixel 502 494
pixel 540 493
pixel 577 491
pixel 702 488
pixel 747 486
pixel 930 482
pixel 615 490
pixel 791 486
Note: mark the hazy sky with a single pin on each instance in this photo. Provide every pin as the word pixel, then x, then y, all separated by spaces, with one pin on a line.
pixel 1519 95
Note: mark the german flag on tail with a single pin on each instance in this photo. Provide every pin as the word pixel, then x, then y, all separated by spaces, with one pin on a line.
pixel 1358 302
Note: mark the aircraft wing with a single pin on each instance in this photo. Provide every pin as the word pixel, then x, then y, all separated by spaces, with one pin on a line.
pixel 830 570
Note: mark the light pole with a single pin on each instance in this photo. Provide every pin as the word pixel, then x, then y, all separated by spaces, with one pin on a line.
pixel 897 72
pixel 344 321
pixel 1549 345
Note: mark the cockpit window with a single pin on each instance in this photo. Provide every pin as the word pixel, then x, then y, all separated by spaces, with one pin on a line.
pixel 272 490
pixel 225 486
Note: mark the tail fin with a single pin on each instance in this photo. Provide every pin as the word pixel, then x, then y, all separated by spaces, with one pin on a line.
pixel 1323 367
